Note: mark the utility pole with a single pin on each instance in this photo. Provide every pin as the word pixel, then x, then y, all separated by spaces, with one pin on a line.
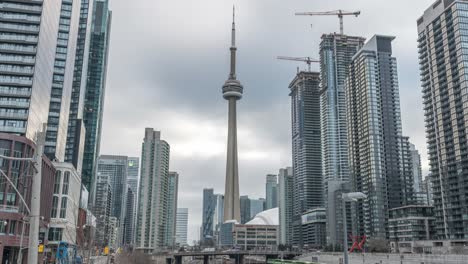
pixel 34 217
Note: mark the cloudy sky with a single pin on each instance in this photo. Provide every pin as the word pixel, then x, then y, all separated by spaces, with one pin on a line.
pixel 169 59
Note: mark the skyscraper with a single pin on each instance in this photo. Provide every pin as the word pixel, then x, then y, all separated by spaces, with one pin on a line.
pixel 374 134
pixel 102 209
pixel 417 170
pixel 256 206
pixel 76 130
pixel 208 214
pixel 232 91
pixel 152 202
pixel 129 221
pixel 245 209
pixel 28 42
pixel 173 188
pixel 443 59
pixel 57 123
pixel 306 143
pixel 336 52
pixel 285 203
pixel 218 216
pixel 181 226
pixel 115 168
pixel 271 191
pixel 96 84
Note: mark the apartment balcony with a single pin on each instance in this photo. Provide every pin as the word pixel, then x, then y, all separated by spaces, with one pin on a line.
pixel 7 27
pixel 22 8
pixel 5 37
pixel 9 115
pixel 23 18
pixel 14 104
pixel 16 70
pixel 15 92
pixel 9 129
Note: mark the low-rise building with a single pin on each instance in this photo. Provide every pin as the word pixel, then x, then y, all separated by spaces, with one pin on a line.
pixel 65 207
pixel 259 233
pixel 314 228
pixel 410 224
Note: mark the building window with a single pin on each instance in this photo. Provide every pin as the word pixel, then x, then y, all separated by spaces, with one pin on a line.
pixel 53 212
pixel 12 227
pixel 3 226
pixel 58 176
pixel 55 234
pixel 63 208
pixel 66 180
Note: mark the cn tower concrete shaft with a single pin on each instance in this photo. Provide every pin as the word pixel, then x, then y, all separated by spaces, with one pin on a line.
pixel 231 194
pixel 232 91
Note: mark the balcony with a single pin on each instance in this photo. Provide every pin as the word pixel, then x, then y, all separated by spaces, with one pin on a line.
pixel 9 129
pixel 16 104
pixel 22 8
pixel 6 37
pixel 9 115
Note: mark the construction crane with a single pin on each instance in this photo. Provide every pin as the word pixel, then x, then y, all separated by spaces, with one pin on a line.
pixel 307 60
pixel 339 13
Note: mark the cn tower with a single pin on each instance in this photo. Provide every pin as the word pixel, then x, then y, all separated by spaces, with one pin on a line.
pixel 232 91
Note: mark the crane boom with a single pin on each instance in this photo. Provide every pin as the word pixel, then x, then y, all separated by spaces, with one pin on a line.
pixel 339 13
pixel 307 60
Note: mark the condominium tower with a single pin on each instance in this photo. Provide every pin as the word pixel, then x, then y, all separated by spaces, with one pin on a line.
pixel 59 108
pixel 374 135
pixel 285 194
pixel 443 59
pixel 306 152
pixel 172 193
pixel 181 227
pixel 336 52
pixel 153 216
pixel 115 168
pixel 28 41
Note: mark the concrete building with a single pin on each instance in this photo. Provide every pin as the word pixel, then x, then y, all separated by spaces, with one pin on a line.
pixel 271 191
pixel 407 173
pixel 102 209
pixel 409 224
pixel 115 168
pixel 336 52
pixel 427 189
pixel 129 224
pixel 12 209
pixel 65 206
pixel 182 227
pixel 59 107
pixel 232 91
pixel 113 232
pixel 285 203
pixel 259 233
pixel 173 188
pixel 314 228
pixel 152 217
pixel 374 138
pixel 442 36
pixel 306 148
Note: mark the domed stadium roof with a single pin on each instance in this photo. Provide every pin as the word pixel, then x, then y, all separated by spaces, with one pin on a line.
pixel 268 217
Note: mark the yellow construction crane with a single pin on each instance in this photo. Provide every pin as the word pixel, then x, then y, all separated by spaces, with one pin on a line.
pixel 307 60
pixel 339 13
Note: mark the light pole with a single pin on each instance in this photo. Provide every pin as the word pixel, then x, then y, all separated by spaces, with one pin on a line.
pixel 348 197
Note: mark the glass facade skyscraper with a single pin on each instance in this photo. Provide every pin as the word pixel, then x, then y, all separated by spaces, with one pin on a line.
pixel 28 40
pixel 374 135
pixel 285 193
pixel 443 59
pixel 173 188
pixel 182 226
pixel 271 191
pixel 336 52
pixel 61 89
pixel 306 148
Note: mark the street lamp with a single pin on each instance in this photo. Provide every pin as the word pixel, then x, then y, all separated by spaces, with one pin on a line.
pixel 348 197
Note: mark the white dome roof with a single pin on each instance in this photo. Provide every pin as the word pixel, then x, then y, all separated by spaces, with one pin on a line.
pixel 268 217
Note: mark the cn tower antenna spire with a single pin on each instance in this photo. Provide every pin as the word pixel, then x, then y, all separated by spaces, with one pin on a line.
pixel 232 74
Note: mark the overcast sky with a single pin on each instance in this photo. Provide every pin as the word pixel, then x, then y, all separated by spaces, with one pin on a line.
pixel 169 59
